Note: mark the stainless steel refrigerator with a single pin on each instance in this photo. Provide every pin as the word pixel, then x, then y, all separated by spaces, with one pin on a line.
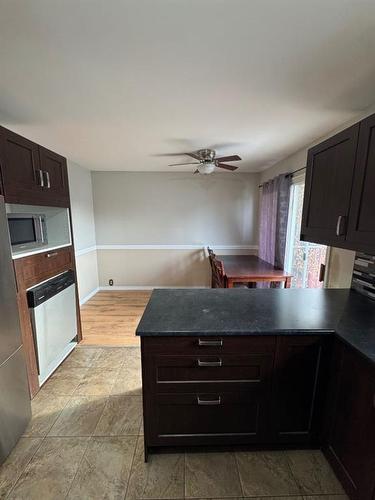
pixel 15 408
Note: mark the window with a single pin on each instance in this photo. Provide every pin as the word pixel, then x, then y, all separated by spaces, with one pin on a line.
pixel 302 259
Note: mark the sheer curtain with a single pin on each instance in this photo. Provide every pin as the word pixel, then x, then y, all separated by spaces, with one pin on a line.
pixel 274 210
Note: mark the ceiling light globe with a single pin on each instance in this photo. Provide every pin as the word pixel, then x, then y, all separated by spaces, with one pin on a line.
pixel 206 168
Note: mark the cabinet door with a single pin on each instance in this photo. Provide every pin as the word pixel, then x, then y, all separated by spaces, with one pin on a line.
pixel 329 176
pixel 55 177
pixel 20 168
pixel 297 396
pixel 351 447
pixel 361 232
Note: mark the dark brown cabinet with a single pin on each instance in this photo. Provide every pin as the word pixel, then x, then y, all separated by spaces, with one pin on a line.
pixel 361 230
pixel 31 174
pixel 329 177
pixel 231 390
pixel 299 370
pixel 55 176
pixel 216 392
pixel 351 436
pixel 20 168
pixel 339 202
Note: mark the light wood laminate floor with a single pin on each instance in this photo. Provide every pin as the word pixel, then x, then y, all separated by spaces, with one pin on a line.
pixel 111 318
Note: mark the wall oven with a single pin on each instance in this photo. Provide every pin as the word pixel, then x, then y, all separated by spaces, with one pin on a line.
pixel 27 231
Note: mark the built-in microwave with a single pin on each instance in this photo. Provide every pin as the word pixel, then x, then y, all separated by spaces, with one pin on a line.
pixel 27 231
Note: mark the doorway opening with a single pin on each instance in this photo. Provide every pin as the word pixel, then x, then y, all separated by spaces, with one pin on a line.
pixel 304 260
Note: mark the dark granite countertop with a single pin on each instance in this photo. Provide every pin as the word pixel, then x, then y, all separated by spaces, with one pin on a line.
pixel 345 313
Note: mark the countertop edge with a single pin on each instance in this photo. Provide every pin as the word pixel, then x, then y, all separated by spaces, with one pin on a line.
pixel 232 333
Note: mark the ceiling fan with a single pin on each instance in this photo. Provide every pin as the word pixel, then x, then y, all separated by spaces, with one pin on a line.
pixel 207 161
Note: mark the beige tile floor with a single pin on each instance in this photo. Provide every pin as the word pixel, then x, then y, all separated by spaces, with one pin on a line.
pixel 85 442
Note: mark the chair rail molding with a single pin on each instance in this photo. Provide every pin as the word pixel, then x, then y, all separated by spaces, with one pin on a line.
pixel 83 251
pixel 176 247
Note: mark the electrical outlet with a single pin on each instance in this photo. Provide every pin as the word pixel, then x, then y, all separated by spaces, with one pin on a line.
pixel 110 282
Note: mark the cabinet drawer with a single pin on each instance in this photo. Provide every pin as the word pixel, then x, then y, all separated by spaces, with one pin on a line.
pixel 216 345
pixel 173 373
pixel 207 418
pixel 35 268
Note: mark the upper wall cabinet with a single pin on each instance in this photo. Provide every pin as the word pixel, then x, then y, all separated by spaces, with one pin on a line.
pixel 31 174
pixel 20 168
pixel 55 175
pixel 339 203
pixel 329 177
pixel 361 230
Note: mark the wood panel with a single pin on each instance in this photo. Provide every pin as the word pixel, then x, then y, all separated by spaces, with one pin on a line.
pixel 255 389
pixel 300 366
pixel 211 345
pixel 203 399
pixel 20 167
pixel 55 174
pixel 361 231
pixel 351 439
pixel 329 177
pixel 35 268
pixel 28 343
pixel 111 317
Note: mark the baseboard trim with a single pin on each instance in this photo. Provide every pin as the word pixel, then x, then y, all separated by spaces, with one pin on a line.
pixel 88 297
pixel 108 288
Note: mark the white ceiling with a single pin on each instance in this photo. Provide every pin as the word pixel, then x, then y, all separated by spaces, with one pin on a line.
pixel 112 84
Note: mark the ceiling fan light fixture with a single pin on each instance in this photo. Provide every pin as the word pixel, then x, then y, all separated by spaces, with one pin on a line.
pixel 206 167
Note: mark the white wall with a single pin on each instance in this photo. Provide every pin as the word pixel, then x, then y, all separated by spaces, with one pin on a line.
pixel 169 218
pixel 175 208
pixel 83 222
pixel 340 261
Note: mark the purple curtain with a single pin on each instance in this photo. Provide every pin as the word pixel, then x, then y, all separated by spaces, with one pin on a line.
pixel 274 210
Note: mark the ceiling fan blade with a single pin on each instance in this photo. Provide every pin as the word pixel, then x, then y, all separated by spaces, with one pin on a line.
pixel 226 167
pixel 177 164
pixel 193 155
pixel 229 158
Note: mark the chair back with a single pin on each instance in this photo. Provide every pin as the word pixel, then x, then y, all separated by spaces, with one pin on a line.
pixel 218 275
pixel 210 252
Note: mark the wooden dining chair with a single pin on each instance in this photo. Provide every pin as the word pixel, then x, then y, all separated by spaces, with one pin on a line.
pixel 217 272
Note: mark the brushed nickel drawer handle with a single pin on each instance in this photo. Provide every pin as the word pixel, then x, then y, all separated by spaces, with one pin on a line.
pixel 53 254
pixel 47 178
pixel 209 402
pixel 210 363
pixel 341 221
pixel 210 342
pixel 41 178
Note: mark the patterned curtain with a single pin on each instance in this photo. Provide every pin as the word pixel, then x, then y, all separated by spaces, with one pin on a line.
pixel 274 210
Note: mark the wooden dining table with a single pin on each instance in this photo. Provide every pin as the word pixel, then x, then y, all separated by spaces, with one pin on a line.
pixel 251 269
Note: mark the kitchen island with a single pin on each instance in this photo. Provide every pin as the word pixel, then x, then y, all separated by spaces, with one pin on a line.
pixel 267 368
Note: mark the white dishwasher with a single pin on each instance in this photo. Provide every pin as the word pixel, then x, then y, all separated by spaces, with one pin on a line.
pixel 52 306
